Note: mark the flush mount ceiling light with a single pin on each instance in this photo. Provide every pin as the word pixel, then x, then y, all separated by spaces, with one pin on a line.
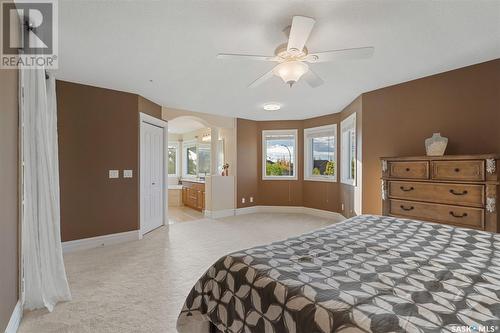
pixel 293 55
pixel 272 107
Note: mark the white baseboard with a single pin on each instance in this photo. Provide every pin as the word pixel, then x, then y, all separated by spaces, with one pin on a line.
pixel 15 319
pixel 291 210
pixel 93 242
pixel 247 210
pixel 324 213
pixel 217 214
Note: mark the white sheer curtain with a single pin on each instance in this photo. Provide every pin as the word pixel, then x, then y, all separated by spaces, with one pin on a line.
pixel 44 274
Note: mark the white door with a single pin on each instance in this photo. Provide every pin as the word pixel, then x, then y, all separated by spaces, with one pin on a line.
pixel 152 151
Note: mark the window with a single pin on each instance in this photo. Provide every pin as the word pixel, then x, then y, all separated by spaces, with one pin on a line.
pixel 204 159
pixel 348 150
pixel 190 160
pixel 279 154
pixel 195 159
pixel 173 159
pixel 320 158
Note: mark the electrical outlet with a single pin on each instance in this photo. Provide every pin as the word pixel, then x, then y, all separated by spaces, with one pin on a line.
pixel 251 199
pixel 127 173
pixel 242 200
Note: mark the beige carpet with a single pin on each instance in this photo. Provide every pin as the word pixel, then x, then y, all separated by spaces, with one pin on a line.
pixel 140 286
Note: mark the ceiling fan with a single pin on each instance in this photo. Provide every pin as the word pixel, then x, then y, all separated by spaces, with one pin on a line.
pixel 292 57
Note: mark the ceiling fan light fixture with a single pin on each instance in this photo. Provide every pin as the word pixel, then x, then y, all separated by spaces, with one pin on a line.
pixel 291 71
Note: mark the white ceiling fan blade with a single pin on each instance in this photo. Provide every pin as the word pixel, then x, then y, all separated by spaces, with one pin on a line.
pixel 299 32
pixel 313 79
pixel 344 54
pixel 262 79
pixel 245 57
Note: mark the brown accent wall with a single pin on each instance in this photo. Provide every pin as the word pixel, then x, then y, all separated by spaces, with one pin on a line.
pixel 280 192
pixel 9 203
pixel 322 195
pixel 146 106
pixel 463 105
pixel 98 131
pixel 247 141
pixel 319 195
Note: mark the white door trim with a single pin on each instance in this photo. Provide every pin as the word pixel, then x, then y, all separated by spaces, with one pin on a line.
pixel 145 118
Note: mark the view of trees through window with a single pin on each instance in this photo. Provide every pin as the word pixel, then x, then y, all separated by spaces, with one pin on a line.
pixel 191 161
pixel 197 159
pixel 204 160
pixel 172 160
pixel 352 153
pixel 323 156
pixel 280 155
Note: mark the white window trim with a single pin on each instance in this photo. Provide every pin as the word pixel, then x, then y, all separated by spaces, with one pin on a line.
pixel 185 146
pixel 265 133
pixel 176 145
pixel 345 125
pixel 308 153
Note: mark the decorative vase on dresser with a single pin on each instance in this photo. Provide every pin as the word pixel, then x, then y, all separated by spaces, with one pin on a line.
pixel 460 190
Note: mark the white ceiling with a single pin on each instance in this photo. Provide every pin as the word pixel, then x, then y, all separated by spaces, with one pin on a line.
pixel 124 44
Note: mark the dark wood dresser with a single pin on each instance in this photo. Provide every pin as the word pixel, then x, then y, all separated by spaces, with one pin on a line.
pixel 455 189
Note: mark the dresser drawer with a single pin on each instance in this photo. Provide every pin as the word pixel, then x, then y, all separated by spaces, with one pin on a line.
pixel 455 194
pixel 409 170
pixel 460 216
pixel 458 170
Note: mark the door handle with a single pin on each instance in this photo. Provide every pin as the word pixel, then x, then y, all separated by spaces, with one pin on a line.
pixel 458 216
pixel 407 208
pixel 153 183
pixel 452 191
pixel 404 189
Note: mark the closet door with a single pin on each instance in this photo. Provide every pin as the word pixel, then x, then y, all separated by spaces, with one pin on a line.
pixel 152 176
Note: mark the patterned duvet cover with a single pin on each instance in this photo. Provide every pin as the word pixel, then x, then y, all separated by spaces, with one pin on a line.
pixel 366 274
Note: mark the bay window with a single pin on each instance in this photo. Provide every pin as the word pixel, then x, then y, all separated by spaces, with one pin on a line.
pixel 279 154
pixel 320 153
pixel 348 150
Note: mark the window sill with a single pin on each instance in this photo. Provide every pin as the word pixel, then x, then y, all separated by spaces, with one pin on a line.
pixel 280 178
pixel 320 179
pixel 348 182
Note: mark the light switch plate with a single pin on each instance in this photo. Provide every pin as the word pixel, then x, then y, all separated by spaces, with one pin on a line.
pixel 114 174
pixel 127 174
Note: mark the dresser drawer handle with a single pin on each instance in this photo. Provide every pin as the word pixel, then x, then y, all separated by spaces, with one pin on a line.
pixel 407 208
pixel 457 170
pixel 407 169
pixel 464 192
pixel 406 189
pixel 458 216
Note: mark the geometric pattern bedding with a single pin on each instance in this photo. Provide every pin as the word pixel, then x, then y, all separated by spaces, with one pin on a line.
pixel 366 274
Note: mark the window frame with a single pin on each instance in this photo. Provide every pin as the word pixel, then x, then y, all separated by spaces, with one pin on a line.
pixel 176 146
pixel 265 134
pixel 310 133
pixel 347 125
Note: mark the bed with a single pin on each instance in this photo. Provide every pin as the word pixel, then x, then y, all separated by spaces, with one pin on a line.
pixel 366 274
